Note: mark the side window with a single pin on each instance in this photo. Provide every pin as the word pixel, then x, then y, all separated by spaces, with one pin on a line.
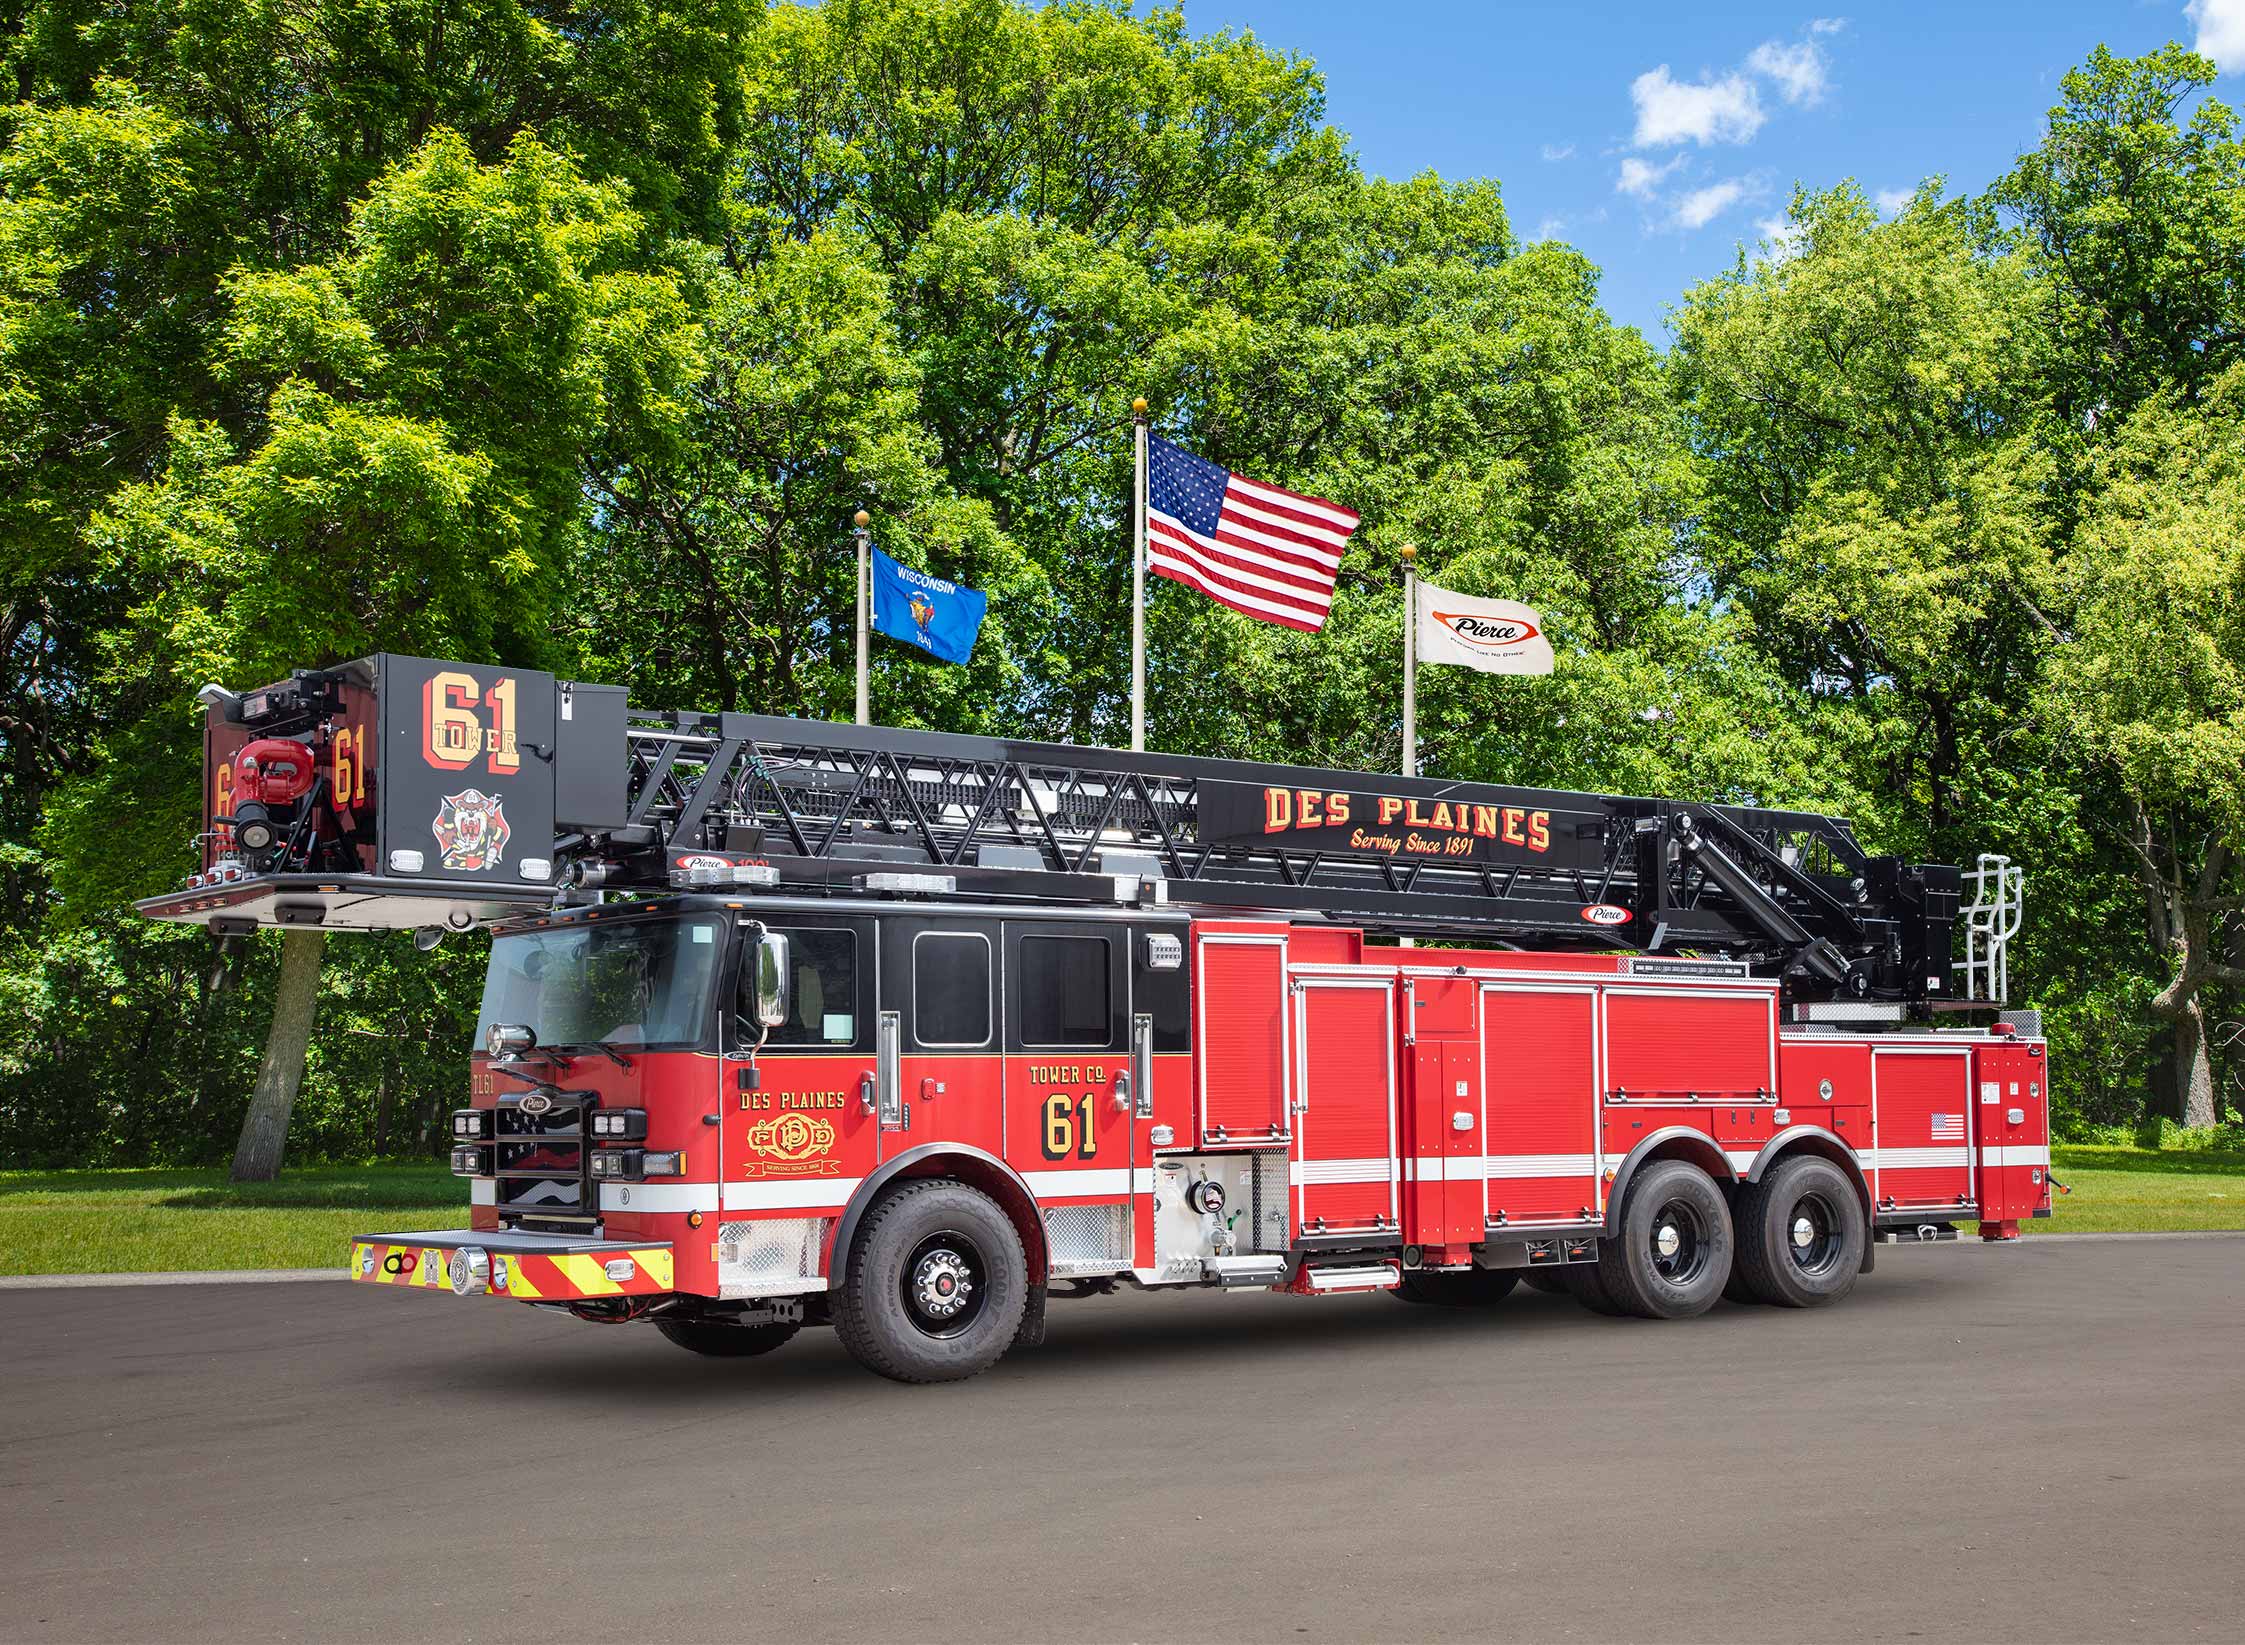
pixel 951 988
pixel 1067 992
pixel 822 1005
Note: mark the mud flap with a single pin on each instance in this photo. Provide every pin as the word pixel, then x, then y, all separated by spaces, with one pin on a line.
pixel 1032 1331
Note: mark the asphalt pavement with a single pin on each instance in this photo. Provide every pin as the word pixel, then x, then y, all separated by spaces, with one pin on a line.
pixel 2036 1442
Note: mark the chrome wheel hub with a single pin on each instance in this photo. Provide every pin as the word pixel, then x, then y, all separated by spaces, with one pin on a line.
pixel 941 1283
pixel 1667 1241
pixel 1804 1233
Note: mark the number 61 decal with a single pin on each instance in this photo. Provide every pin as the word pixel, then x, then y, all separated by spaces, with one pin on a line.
pixel 1068 1127
pixel 453 733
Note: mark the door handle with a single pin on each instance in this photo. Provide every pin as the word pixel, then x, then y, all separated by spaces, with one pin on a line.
pixel 1142 1065
pixel 888 1082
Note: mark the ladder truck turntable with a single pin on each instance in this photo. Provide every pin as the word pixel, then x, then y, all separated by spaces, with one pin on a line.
pixel 791 1023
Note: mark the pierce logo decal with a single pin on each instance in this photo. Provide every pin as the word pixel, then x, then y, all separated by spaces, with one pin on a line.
pixel 1488 633
pixel 1606 913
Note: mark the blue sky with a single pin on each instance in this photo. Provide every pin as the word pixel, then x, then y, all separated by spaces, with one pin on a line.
pixel 1656 138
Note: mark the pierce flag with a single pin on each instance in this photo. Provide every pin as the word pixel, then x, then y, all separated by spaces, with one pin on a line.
pixel 941 618
pixel 1494 636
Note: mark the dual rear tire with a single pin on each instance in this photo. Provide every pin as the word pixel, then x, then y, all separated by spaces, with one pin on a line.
pixel 1801 1235
pixel 1795 1239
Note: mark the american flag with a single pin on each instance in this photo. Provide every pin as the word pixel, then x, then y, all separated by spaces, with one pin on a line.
pixel 1948 1128
pixel 1257 548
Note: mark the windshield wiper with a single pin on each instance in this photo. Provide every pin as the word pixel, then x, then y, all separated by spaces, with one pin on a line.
pixel 585 1048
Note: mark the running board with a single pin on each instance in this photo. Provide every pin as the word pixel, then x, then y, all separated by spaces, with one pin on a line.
pixel 1256 1269
pixel 1354 1276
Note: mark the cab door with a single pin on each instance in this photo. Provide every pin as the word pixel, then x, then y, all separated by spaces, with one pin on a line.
pixel 1069 1109
pixel 939 1059
pixel 795 1129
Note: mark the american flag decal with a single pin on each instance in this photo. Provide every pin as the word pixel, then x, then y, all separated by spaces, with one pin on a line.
pixel 1948 1128
pixel 1272 553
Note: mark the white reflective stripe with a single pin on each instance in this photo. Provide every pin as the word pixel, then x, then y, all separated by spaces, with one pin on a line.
pixel 2018 1153
pixel 1342 1170
pixel 1918 1159
pixel 818 1193
pixel 1540 1165
pixel 658 1196
pixel 1440 1167
pixel 1142 1180
pixel 1067 1184
pixel 483 1191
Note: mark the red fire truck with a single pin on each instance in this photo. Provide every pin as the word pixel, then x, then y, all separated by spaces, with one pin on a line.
pixel 791 1023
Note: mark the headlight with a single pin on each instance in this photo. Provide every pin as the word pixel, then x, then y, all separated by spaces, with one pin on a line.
pixel 620 1124
pixel 470 1161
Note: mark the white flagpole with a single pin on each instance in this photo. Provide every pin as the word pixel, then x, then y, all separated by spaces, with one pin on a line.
pixel 1410 662
pixel 1138 580
pixel 864 619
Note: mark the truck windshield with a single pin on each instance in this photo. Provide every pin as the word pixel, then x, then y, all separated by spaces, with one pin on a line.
pixel 633 983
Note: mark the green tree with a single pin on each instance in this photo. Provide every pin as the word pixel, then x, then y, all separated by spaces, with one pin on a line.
pixel 2131 218
pixel 2153 681
pixel 1866 419
pixel 408 481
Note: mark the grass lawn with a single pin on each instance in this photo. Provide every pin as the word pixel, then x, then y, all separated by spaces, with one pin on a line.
pixel 126 1222
pixel 110 1222
pixel 2133 1189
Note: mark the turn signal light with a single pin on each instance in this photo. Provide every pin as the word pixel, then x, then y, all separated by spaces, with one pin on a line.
pixel 635 1164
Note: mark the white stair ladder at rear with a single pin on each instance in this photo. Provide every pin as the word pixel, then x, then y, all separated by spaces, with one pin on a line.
pixel 1991 920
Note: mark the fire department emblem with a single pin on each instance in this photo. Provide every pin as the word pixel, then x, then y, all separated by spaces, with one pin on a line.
pixel 791 1137
pixel 471 830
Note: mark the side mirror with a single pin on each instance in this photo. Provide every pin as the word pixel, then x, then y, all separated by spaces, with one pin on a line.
pixel 510 1039
pixel 773 975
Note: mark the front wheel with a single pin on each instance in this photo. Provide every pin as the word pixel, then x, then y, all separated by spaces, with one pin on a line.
pixel 936 1285
pixel 1673 1254
pixel 720 1341
pixel 1801 1234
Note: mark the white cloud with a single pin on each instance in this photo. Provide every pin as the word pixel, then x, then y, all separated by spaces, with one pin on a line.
pixel 1559 151
pixel 1826 25
pixel 1670 111
pixel 1552 228
pixel 1891 200
pixel 2221 32
pixel 1698 207
pixel 1641 177
pixel 1797 69
pixel 1783 236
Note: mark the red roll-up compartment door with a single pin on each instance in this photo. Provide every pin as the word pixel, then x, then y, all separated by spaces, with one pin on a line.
pixel 1923 1118
pixel 1345 1168
pixel 1540 1080
pixel 1681 1045
pixel 1239 1019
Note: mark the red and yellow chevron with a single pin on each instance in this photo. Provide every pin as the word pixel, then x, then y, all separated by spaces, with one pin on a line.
pixel 528 1278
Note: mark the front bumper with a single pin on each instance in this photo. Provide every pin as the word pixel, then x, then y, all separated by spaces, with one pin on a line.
pixel 524 1267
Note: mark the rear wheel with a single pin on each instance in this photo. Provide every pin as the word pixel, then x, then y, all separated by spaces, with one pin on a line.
pixel 1582 1281
pixel 1801 1234
pixel 721 1341
pixel 1459 1288
pixel 1673 1254
pixel 936 1286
